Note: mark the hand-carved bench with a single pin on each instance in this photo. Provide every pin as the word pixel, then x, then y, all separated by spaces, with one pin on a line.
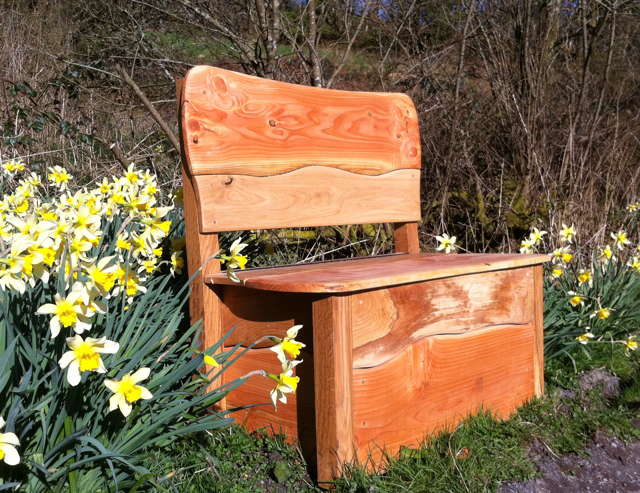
pixel 399 346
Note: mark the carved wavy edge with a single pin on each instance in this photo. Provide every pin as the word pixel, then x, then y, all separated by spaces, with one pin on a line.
pixel 305 167
pixel 404 348
pixel 301 167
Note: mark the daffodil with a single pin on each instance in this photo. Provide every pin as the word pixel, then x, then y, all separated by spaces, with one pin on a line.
pixel 575 299
pixel 564 254
pixel 526 246
pixel 446 243
pixel 602 313
pixel 67 312
pixel 634 263
pixel 631 343
pixel 8 443
pixel 288 345
pixel 557 272
pixel 567 233
pixel 585 338
pixel 177 263
pixel 536 235
pixel 234 260
pixel 59 177
pixel 585 276
pixel 102 274
pixel 606 254
pixel 126 391
pixel 85 356
pixel 286 382
pixel 210 361
pixel 620 239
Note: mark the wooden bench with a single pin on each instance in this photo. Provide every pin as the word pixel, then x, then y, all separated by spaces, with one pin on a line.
pixel 398 346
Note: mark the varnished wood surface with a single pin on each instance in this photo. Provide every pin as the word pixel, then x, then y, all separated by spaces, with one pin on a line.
pixel 405 237
pixel 537 311
pixel 333 367
pixel 311 196
pixel 386 321
pixel 238 124
pixel 254 314
pixel 437 382
pixel 375 272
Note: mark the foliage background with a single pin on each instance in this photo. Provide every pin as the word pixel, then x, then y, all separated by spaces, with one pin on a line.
pixel 529 109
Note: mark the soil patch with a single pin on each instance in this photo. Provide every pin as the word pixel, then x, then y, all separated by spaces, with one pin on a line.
pixel 609 465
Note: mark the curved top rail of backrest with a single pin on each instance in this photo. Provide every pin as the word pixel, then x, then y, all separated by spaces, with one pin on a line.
pixel 262 154
pixel 239 124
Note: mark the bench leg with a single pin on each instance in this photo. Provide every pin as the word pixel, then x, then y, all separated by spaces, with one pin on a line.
pixel 538 327
pixel 333 369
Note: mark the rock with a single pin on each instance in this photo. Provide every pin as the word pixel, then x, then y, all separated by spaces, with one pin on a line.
pixel 600 379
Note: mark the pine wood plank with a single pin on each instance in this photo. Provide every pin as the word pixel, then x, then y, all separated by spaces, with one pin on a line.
pixel 333 368
pixel 375 272
pixel 238 124
pixel 386 321
pixel 438 381
pixel 311 196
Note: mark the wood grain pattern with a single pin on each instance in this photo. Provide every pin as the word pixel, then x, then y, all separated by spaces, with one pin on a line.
pixel 438 381
pixel 368 273
pixel 333 369
pixel 386 321
pixel 312 196
pixel 204 301
pixel 254 314
pixel 406 238
pixel 537 311
pixel 238 124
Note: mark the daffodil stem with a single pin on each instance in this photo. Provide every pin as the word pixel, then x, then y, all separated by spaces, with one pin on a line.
pixel 73 475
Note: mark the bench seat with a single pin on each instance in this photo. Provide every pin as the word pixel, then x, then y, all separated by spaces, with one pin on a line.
pixel 343 276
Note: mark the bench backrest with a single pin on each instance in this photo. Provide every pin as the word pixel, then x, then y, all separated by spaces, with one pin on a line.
pixel 262 154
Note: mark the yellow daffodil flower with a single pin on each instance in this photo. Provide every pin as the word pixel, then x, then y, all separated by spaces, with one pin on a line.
pixel 210 361
pixel 536 235
pixel 526 246
pixel 126 391
pixel 620 239
pixel 177 263
pixel 631 343
pixel 85 356
pixel 557 272
pixel 606 254
pixel 8 443
pixel 602 313
pixel 634 263
pixel 584 276
pixel 576 299
pixel 585 338
pixel 286 382
pixel 66 313
pixel 567 233
pixel 59 177
pixel 288 345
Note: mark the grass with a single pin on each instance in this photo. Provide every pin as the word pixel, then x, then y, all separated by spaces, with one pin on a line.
pixel 477 456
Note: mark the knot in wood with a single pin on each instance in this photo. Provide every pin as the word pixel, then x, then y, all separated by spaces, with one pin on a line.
pixel 229 180
pixel 272 123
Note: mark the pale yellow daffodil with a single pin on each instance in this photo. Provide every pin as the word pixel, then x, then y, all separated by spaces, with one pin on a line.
pixel 85 356
pixel 126 391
